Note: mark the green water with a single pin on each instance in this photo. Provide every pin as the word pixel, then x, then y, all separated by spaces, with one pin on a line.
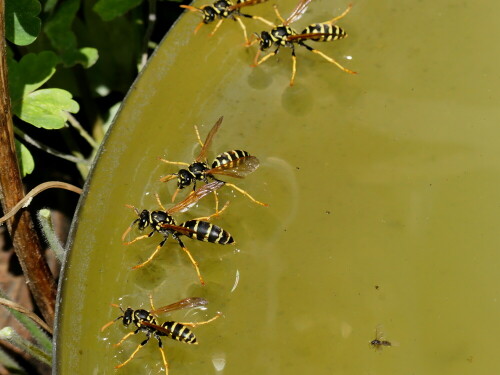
pixel 383 191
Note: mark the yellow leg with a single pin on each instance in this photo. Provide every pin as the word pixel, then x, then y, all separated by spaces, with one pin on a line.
pixel 124 338
pixel 333 20
pixel 174 162
pixel 159 202
pixel 294 68
pixel 329 59
pixel 264 59
pixel 279 15
pixel 217 25
pixel 129 358
pixel 151 302
pixel 261 19
pixel 217 213
pixel 175 194
pixel 247 42
pixel 164 359
pixel 149 259
pixel 198 136
pixel 246 194
pixel 195 264
pixel 135 239
pixel 194 324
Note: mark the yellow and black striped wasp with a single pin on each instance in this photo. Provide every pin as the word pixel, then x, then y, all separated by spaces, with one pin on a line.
pixel 146 323
pixel 284 36
pixel 163 223
pixel 226 9
pixel 233 163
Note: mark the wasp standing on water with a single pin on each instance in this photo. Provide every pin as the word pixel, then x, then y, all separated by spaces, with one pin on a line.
pixel 226 9
pixel 284 36
pixel 233 163
pixel 146 322
pixel 163 223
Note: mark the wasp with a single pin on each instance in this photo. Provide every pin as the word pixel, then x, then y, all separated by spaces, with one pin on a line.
pixel 379 342
pixel 233 163
pixel 284 36
pixel 145 322
pixel 226 9
pixel 163 223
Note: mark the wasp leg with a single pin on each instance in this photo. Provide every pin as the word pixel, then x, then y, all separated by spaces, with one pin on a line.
pixel 240 22
pixel 264 59
pixel 195 264
pixel 138 238
pixel 333 20
pixel 159 202
pixel 217 25
pixel 194 324
pixel 279 15
pixel 261 19
pixel 139 347
pixel 217 213
pixel 294 67
pixel 151 256
pixel 198 136
pixel 246 194
pixel 125 337
pixel 174 162
pixel 164 359
pixel 327 58
pixel 151 302
pixel 175 194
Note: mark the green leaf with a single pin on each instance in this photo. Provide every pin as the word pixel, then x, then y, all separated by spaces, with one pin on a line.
pixel 22 25
pixel 59 31
pixel 110 9
pixel 46 108
pixel 30 73
pixel 26 161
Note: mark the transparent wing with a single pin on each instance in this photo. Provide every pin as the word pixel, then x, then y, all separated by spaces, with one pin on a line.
pixel 245 4
pixel 299 10
pixel 238 168
pixel 157 327
pixel 203 153
pixel 185 303
pixel 195 196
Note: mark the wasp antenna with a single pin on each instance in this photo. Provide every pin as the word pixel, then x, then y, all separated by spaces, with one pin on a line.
pixel 191 8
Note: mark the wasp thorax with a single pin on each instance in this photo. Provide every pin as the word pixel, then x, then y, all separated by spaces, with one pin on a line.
pixel 197 169
pixel 159 216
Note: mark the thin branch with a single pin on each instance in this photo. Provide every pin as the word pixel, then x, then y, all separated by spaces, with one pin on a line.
pixel 25 311
pixel 25 240
pixel 76 124
pixel 147 34
pixel 25 202
pixel 48 149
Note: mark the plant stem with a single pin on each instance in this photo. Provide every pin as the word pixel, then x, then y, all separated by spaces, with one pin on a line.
pixel 25 240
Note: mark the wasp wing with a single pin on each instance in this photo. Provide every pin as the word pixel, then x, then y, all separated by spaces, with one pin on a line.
pixel 238 168
pixel 203 153
pixel 310 36
pixel 195 196
pixel 177 228
pixel 299 10
pixel 245 4
pixel 156 327
pixel 182 304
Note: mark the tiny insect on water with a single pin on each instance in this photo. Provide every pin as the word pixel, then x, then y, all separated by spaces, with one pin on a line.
pixel 226 9
pixel 163 223
pixel 147 323
pixel 233 163
pixel 379 341
pixel 283 35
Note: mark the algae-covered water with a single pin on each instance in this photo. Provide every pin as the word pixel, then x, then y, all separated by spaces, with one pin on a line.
pixel 383 189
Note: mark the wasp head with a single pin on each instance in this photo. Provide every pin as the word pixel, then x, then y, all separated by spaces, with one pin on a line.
pixel 266 41
pixel 209 14
pixel 184 178
pixel 144 220
pixel 127 316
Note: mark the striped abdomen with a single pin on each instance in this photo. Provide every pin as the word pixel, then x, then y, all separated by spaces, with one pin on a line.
pixel 228 156
pixel 179 332
pixel 332 32
pixel 205 231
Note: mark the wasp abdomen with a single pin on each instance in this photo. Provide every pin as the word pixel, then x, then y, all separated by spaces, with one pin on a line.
pixel 205 231
pixel 179 332
pixel 332 32
pixel 228 156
